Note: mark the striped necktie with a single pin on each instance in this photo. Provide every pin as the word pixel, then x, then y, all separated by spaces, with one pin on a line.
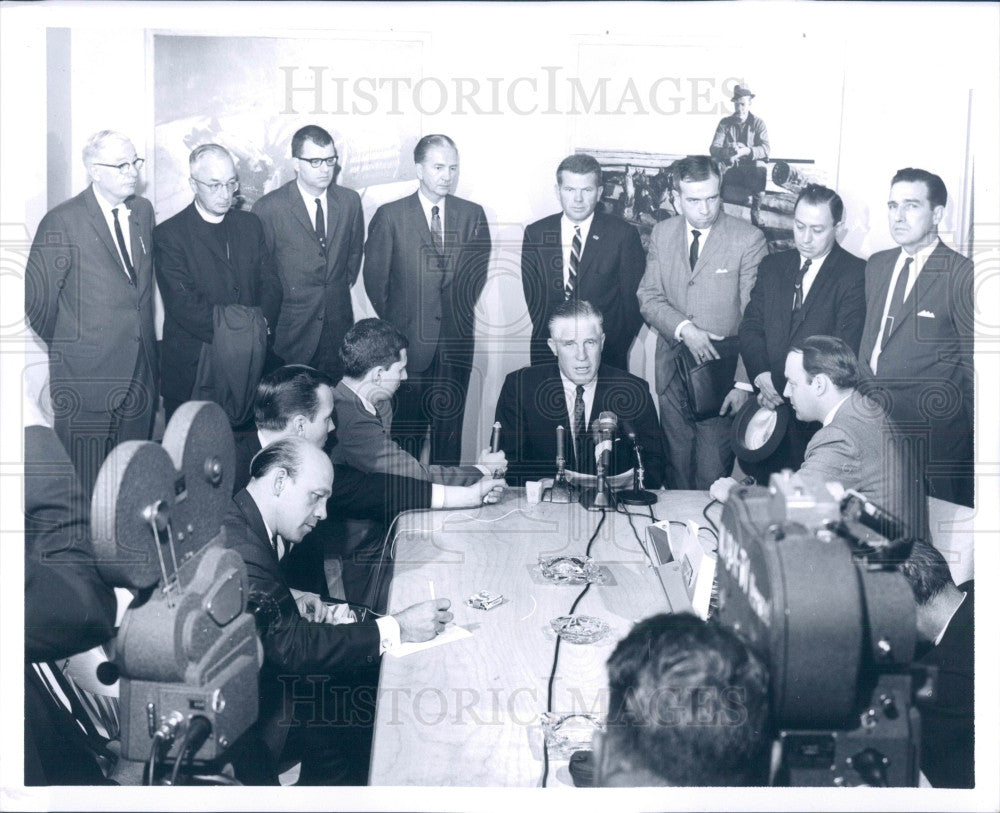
pixel 574 262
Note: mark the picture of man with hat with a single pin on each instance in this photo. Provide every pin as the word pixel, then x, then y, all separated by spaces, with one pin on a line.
pixel 741 144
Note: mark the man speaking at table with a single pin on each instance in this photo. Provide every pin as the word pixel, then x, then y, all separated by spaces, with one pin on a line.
pixel 304 660
pixel 573 393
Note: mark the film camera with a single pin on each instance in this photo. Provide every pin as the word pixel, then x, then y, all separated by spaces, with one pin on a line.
pixel 810 580
pixel 187 652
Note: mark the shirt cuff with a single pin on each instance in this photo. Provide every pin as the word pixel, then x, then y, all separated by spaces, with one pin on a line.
pixel 742 385
pixel 388 633
pixel 437 495
pixel 680 327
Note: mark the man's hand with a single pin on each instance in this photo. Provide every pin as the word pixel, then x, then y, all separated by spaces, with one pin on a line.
pixel 720 488
pixel 490 489
pixel 423 621
pixel 311 606
pixel 495 462
pixel 769 398
pixel 699 342
pixel 734 401
pixel 484 492
pixel 742 150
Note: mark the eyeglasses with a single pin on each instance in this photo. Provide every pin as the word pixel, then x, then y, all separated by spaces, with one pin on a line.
pixel 215 188
pixel 123 168
pixel 316 163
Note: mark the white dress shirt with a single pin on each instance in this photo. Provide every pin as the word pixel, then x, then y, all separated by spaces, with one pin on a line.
pixel 810 275
pixel 123 215
pixel 832 413
pixel 568 228
pixel 569 391
pixel 427 206
pixel 310 201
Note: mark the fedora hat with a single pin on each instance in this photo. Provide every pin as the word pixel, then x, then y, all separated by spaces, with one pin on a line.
pixel 742 91
pixel 757 431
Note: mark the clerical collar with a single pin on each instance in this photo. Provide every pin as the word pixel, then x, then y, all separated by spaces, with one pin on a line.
pixel 207 216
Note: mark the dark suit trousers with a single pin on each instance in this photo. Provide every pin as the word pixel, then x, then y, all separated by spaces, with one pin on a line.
pixel 434 398
pixel 89 436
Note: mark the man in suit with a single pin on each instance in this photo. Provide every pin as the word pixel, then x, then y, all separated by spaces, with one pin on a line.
pixel 426 260
pixel 208 254
pixel 815 289
pixel 286 497
pixel 316 232
pixel 582 254
pixel 89 295
pixel 742 147
pixel 917 343
pixel 700 270
pixel 945 615
pixel 572 393
pixel 374 358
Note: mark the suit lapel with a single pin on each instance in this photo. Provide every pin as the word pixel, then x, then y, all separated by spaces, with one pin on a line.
pixel 451 232
pixel 710 246
pixel 138 246
pixel 302 215
pixel 333 224
pixel 256 522
pixel 592 249
pixel 925 289
pixel 821 285
pixel 416 221
pixel 100 225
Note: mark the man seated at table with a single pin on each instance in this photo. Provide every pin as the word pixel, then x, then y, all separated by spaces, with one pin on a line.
pixel 572 393
pixel 373 357
pixel 290 482
pixel 297 401
pixel 856 445
pixel 945 630
pixel 688 706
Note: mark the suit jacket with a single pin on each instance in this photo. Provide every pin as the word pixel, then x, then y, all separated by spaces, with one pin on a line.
pixel 925 371
pixel 292 645
pixel 316 284
pixel 364 442
pixel 712 296
pixel 81 303
pixel 532 404
pixel 612 264
pixel 428 296
pixel 729 132
pixel 835 307
pixel 195 274
pixel 947 752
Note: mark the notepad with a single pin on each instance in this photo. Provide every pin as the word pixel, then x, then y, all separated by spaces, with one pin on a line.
pixel 452 633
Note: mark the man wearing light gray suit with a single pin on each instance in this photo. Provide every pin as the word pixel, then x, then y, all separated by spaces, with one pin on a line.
pixel 88 294
pixel 316 232
pixel 700 270
pixel 426 260
pixel 916 348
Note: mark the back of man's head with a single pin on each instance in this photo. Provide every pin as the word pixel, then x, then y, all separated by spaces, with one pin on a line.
pixel 371 343
pixel 286 392
pixel 830 356
pixel 688 707
pixel 926 571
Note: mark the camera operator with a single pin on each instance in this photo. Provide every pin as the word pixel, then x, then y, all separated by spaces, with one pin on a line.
pixel 688 707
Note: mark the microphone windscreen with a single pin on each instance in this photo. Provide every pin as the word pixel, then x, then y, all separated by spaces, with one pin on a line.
pixel 607 421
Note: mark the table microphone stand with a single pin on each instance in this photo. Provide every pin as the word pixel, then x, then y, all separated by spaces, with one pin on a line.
pixel 561 490
pixel 637 495
pixel 598 499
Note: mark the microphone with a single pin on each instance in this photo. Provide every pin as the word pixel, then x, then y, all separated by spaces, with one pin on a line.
pixel 560 490
pixel 495 438
pixel 604 430
pixel 637 495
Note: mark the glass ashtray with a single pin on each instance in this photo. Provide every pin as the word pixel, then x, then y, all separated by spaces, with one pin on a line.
pixel 567 733
pixel 579 629
pixel 570 569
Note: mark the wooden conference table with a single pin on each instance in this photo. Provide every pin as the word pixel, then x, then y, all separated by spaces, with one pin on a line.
pixel 468 712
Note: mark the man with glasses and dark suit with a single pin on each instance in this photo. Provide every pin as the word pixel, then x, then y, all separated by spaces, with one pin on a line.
pixel 208 254
pixel 88 294
pixel 316 232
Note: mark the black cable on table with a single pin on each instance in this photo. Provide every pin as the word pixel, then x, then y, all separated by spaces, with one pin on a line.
pixel 555 657
pixel 704 513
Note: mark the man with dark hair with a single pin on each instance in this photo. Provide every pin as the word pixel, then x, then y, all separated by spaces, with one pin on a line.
pixel 917 344
pixel 374 359
pixel 88 294
pixel 208 255
pixel 816 288
pixel 426 260
pixel 700 270
pixel 688 707
pixel 945 616
pixel 582 253
pixel 315 230
pixel 572 393
pixel 286 497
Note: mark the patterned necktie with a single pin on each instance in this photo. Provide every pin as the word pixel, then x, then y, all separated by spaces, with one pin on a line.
pixel 436 231
pixel 898 298
pixel 693 254
pixel 579 422
pixel 120 237
pixel 320 224
pixel 574 263
pixel 797 300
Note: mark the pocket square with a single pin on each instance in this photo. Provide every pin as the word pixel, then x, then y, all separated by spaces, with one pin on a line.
pixel 721 270
pixel 928 314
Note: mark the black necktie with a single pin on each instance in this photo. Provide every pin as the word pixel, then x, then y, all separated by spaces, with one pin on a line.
pixel 797 300
pixel 579 422
pixel 320 224
pixel 120 237
pixel 574 262
pixel 436 231
pixel 693 255
pixel 898 297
